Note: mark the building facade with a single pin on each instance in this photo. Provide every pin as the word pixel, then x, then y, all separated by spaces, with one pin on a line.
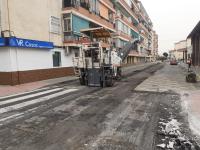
pixel 180 51
pixel 175 54
pixel 155 45
pixel 189 48
pixel 126 22
pixel 33 48
pixel 40 38
pixel 181 48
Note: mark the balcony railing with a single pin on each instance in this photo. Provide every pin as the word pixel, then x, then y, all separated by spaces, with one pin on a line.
pixel 128 22
pixel 128 8
pixel 95 18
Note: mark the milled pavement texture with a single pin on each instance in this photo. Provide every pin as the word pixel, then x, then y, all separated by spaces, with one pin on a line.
pixel 172 79
pixel 91 118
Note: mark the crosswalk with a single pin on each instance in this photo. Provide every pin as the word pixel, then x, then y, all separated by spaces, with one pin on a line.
pixel 11 107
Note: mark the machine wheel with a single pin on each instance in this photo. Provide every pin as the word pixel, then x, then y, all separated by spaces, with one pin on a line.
pixel 102 83
pixel 82 81
pixel 119 73
pixel 109 82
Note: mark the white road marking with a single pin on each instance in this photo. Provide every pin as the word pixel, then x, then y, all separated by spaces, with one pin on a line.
pixel 11 117
pixel 42 99
pixel 18 94
pixel 28 96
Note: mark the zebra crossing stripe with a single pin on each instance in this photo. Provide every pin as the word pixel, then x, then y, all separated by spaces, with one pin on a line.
pixel 28 96
pixel 18 94
pixel 35 101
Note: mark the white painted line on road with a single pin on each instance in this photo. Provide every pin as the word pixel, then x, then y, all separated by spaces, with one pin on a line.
pixel 11 117
pixel 43 99
pixel 18 94
pixel 28 96
pixel 5 120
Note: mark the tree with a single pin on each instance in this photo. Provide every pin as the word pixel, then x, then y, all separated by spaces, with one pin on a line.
pixel 165 54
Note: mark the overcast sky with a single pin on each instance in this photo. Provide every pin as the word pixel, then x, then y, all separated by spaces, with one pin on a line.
pixel 173 19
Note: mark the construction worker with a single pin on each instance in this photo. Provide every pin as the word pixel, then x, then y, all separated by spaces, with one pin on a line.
pixel 189 64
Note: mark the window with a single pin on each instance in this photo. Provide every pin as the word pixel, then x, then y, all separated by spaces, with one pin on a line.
pixel 67 23
pixel 56 59
pixel 122 27
pixel 67 3
pixel 71 3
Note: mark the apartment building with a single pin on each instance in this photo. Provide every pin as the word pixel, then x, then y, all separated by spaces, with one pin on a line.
pixel 132 22
pixel 145 26
pixel 155 45
pixel 126 21
pixel 40 38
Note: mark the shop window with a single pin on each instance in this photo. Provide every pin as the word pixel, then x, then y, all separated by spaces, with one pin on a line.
pixel 56 59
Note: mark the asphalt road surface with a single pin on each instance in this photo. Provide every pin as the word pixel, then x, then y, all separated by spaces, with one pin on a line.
pixel 68 116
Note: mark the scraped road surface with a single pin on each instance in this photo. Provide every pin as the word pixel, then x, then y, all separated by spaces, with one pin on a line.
pixel 72 117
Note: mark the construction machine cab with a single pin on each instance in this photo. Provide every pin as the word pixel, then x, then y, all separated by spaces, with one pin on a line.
pixel 94 66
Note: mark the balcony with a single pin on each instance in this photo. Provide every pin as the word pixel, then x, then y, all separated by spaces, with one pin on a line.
pixel 84 12
pixel 108 4
pixel 134 53
pixel 126 21
pixel 127 8
pixel 123 35
pixel 72 40
pixel 142 27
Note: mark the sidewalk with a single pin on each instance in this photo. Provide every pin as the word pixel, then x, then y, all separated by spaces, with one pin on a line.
pixel 11 90
pixel 192 101
pixel 195 69
pixel 192 108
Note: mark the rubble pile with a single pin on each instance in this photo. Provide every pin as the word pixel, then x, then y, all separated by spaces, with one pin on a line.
pixel 172 138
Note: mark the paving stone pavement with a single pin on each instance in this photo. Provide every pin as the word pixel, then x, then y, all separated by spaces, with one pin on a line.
pixel 170 78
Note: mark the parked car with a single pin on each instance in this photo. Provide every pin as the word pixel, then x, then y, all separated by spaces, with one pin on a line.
pixel 173 62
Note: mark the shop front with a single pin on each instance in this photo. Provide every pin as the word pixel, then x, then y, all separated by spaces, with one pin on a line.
pixel 25 60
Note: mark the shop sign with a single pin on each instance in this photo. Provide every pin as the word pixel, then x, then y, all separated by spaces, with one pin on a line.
pixel 2 42
pixel 26 43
